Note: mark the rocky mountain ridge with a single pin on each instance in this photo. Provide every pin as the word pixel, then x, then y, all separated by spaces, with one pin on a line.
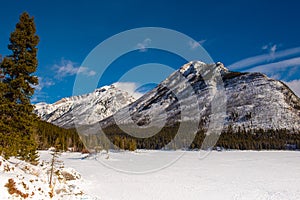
pixel 84 109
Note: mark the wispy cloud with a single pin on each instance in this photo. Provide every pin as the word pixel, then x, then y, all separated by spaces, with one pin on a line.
pixel 271 48
pixel 276 66
pixel 39 94
pixel 282 65
pixel 195 44
pixel 69 68
pixel 295 86
pixel 143 45
pixel 130 88
pixel 261 59
pixel 44 82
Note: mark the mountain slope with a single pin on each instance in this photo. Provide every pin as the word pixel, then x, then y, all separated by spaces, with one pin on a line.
pixel 254 101
pixel 85 109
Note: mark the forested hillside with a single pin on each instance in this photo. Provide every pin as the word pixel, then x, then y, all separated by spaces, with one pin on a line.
pixel 49 135
pixel 240 139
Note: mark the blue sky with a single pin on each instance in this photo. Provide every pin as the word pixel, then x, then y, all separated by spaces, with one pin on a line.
pixel 244 35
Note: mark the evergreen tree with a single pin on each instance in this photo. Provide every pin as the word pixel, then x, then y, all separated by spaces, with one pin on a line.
pixel 18 123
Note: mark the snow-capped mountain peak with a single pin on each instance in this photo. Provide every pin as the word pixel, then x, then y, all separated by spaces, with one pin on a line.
pixel 84 109
pixel 198 67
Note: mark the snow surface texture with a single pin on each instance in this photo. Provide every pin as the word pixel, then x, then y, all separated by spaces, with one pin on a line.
pixel 252 100
pixel 84 109
pixel 227 175
pixel 32 182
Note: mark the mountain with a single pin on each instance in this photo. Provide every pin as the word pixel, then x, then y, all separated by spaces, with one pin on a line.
pixel 248 101
pixel 199 92
pixel 84 109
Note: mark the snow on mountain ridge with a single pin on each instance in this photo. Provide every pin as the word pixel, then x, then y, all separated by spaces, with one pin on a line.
pixel 198 66
pixel 84 109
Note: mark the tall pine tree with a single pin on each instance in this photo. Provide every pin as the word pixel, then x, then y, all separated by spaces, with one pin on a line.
pixel 17 121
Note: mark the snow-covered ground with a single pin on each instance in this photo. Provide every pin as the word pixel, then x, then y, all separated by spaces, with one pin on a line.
pixel 239 175
pixel 21 180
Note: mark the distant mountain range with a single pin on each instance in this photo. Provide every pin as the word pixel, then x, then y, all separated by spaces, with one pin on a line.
pixel 84 109
pixel 253 101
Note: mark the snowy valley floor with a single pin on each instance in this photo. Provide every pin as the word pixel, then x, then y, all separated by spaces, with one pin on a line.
pixel 238 175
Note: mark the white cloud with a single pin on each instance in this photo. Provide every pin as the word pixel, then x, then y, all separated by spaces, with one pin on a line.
pixel 34 99
pixel 69 68
pixel 91 73
pixel 276 66
pixel 261 59
pixel 129 87
pixel 265 47
pixel 43 82
pixel 195 44
pixel 295 86
pixel 271 48
pixel 276 76
pixel 143 45
pixel 39 95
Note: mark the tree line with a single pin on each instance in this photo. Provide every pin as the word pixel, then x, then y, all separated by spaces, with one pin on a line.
pixel 49 135
pixel 240 139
